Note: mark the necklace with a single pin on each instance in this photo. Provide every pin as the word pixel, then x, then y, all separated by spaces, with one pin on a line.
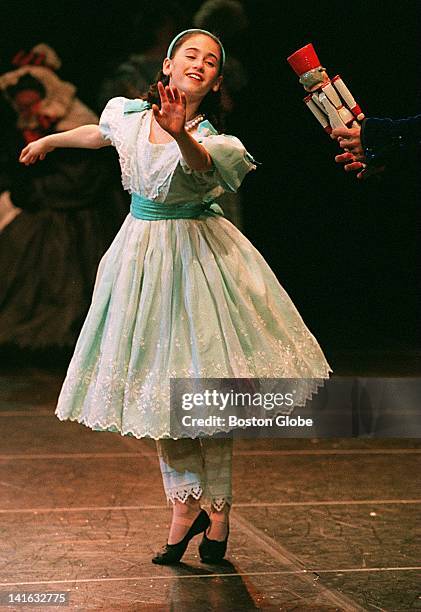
pixel 189 125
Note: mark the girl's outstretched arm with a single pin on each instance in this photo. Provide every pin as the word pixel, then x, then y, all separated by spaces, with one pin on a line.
pixel 83 137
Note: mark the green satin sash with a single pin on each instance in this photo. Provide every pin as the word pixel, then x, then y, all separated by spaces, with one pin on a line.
pixel 148 210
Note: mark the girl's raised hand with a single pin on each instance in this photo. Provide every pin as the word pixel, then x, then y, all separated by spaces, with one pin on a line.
pixel 34 151
pixel 172 116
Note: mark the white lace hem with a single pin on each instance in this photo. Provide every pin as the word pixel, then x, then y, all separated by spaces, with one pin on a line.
pixel 197 492
pixel 157 432
pixel 182 495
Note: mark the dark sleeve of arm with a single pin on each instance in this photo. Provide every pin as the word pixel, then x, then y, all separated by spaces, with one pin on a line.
pixel 384 138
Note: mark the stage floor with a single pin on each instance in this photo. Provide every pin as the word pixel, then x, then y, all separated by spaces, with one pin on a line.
pixel 317 525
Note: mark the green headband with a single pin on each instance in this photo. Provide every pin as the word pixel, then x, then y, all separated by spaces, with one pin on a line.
pixel 199 31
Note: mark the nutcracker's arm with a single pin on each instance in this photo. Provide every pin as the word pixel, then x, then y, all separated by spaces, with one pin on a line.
pixel 319 112
pixel 346 95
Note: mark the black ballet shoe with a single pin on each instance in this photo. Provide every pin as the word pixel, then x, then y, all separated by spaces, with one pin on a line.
pixel 172 553
pixel 213 551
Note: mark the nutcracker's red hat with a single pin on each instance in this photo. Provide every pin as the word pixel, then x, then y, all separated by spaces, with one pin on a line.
pixel 303 60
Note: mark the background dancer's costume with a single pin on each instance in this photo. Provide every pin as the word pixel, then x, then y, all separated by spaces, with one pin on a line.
pixel 56 219
pixel 180 293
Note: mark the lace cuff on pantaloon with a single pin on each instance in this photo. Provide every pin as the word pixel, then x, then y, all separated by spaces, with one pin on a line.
pixel 196 491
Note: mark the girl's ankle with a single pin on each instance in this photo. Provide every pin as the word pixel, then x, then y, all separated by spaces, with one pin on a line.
pixel 188 507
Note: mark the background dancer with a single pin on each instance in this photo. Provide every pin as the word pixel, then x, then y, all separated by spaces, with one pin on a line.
pixel 56 219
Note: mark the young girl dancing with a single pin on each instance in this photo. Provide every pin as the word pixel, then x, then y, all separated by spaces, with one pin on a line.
pixel 180 292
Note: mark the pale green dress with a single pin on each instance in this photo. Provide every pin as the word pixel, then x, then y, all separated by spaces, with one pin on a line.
pixel 178 297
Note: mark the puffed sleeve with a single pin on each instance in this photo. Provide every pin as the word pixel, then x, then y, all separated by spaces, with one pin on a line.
pixel 111 118
pixel 231 161
pixel 119 123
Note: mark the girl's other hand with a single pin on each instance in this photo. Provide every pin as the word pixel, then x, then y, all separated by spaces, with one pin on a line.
pixel 172 115
pixel 35 151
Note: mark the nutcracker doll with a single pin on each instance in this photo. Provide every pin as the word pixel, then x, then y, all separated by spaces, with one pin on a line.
pixel 329 100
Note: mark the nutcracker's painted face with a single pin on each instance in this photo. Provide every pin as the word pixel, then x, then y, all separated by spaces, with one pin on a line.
pixel 313 79
pixel 195 66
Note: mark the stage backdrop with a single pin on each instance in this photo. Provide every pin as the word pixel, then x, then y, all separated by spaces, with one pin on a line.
pixel 346 251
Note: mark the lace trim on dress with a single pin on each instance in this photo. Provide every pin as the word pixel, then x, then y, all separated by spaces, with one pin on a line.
pixel 181 495
pixel 124 148
pixel 156 162
pixel 151 421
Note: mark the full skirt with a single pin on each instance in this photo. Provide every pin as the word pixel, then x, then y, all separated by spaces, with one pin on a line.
pixel 186 298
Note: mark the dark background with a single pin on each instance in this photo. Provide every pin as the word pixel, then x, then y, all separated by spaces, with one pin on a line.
pixel 345 250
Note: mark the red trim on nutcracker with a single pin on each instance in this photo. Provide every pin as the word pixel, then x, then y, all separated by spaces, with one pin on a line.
pixel 329 100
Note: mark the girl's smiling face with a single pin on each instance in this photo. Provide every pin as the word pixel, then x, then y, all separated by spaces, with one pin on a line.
pixel 194 67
